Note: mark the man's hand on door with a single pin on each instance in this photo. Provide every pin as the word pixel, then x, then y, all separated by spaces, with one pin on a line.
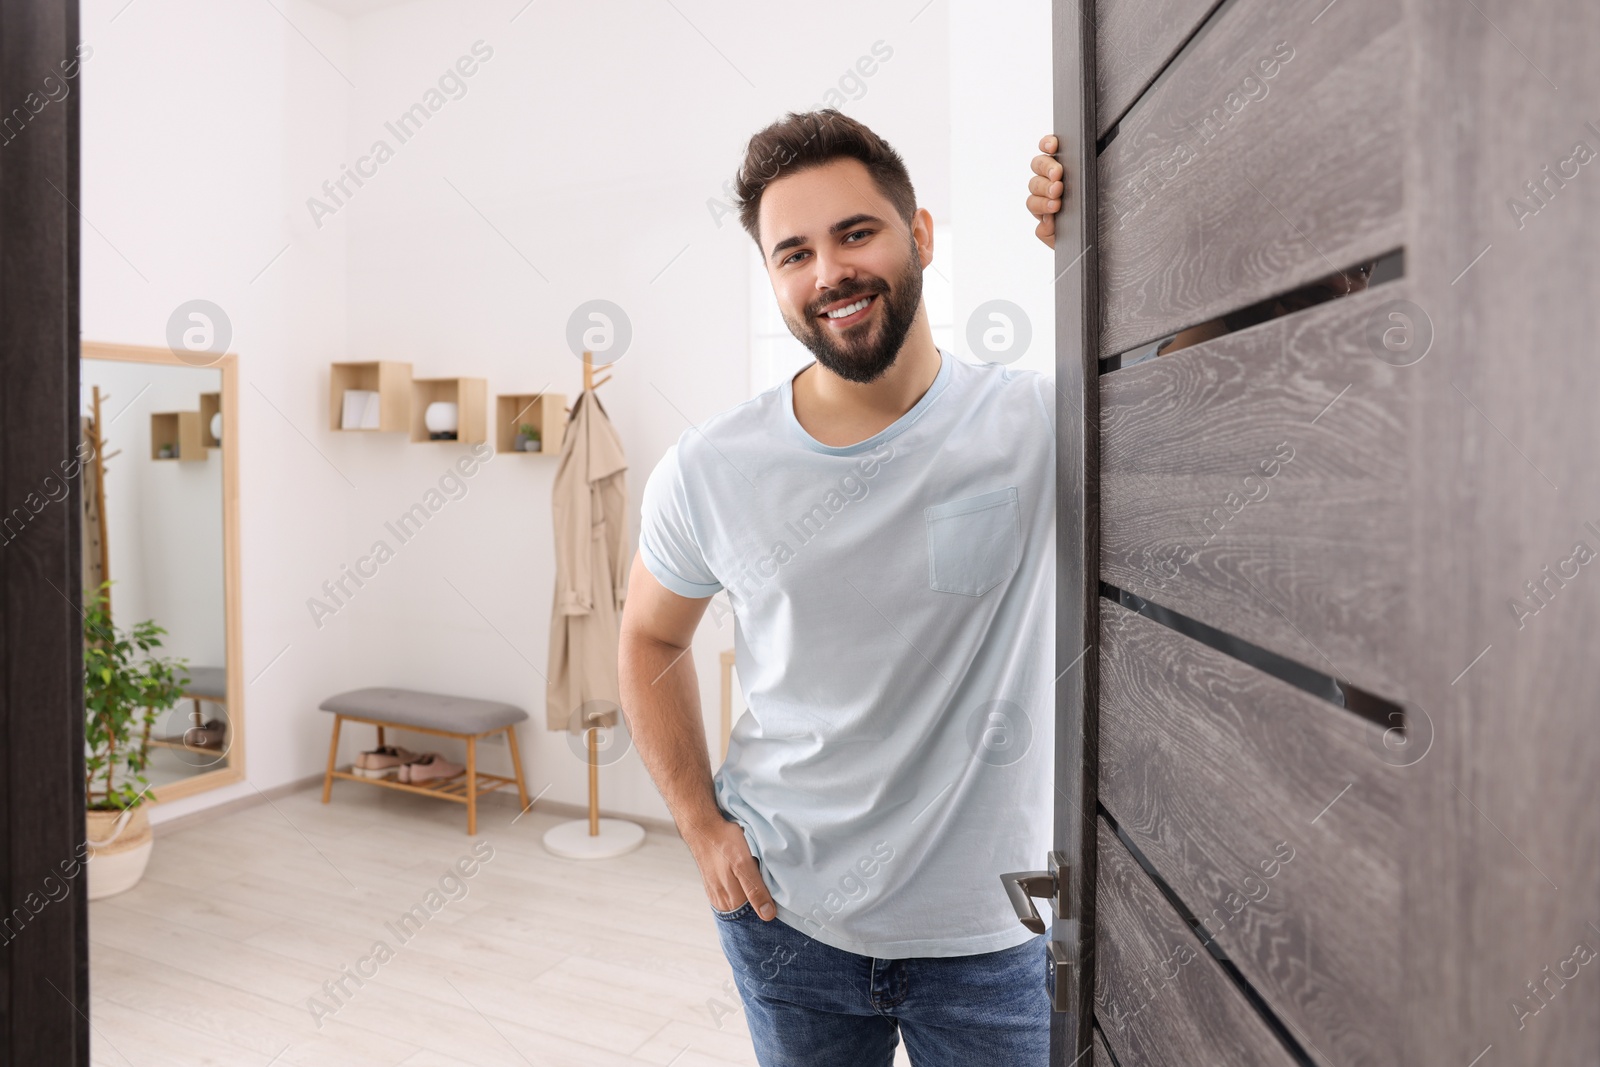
pixel 1046 189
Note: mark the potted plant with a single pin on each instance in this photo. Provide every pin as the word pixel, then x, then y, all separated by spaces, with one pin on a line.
pixel 125 686
pixel 527 438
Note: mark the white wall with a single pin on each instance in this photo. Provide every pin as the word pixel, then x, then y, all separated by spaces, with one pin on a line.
pixel 999 93
pixel 591 148
pixel 201 123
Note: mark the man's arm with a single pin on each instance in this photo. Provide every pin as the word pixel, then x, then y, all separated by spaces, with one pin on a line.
pixel 661 700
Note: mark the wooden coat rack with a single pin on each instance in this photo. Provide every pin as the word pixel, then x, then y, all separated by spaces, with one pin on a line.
pixel 604 837
pixel 589 386
pixel 97 444
pixel 589 382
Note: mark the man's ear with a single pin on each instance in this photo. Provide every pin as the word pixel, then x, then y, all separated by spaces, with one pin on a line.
pixel 922 233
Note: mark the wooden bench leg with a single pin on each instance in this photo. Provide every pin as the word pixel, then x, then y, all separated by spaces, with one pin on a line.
pixel 516 767
pixel 333 756
pixel 472 785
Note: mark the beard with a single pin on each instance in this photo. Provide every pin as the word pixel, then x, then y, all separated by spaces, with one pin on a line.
pixel 861 353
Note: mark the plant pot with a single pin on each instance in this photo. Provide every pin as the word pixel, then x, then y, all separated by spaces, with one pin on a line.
pixel 119 849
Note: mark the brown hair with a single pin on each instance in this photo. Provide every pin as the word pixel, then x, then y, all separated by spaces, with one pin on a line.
pixel 801 140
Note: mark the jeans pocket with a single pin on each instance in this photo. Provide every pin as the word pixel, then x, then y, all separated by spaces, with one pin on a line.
pixel 735 914
pixel 974 543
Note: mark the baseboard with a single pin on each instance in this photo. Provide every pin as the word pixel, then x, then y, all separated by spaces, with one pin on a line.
pixel 227 807
pixel 500 797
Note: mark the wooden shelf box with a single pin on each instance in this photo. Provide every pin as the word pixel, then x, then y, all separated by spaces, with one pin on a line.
pixel 471 397
pixel 210 404
pixel 181 429
pixel 545 412
pixel 390 379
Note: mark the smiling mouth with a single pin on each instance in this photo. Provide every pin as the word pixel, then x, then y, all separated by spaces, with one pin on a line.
pixel 849 314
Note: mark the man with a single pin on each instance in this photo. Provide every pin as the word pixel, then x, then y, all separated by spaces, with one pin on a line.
pixel 883 524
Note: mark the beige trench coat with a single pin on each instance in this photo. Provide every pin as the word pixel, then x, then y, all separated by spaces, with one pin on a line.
pixel 591 535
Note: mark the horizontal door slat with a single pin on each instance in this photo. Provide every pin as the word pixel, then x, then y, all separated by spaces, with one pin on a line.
pixel 1257 483
pixel 1160 999
pixel 1225 186
pixel 1133 41
pixel 1273 816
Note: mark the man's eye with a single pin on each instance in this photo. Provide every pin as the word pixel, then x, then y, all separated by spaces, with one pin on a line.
pixel 852 233
pixel 790 259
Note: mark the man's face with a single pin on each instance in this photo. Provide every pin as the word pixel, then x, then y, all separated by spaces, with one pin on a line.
pixel 846 271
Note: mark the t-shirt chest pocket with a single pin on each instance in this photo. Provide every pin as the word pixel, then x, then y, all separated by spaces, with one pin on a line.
pixel 974 543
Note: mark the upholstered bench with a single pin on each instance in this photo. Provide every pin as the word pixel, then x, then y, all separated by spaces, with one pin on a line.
pixel 442 716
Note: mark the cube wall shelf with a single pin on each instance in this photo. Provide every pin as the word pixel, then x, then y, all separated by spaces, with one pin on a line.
pixel 390 379
pixel 181 430
pixel 210 404
pixel 545 412
pixel 471 397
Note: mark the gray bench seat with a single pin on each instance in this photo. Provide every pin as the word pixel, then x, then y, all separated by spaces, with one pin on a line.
pixel 410 707
pixel 208 683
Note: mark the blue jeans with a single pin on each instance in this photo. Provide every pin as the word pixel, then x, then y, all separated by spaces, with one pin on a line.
pixel 812 1005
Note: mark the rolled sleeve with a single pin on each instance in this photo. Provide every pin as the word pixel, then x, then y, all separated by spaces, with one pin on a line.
pixel 667 541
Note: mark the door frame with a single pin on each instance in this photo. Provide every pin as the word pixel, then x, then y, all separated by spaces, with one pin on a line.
pixel 44 953
pixel 1077 312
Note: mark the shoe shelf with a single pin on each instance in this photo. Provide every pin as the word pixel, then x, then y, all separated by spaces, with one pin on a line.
pixel 464 788
pixel 447 788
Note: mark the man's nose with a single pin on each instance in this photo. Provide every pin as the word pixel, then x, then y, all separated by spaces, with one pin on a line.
pixel 832 271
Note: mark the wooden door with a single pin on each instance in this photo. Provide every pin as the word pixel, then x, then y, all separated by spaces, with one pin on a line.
pixel 44 940
pixel 1328 734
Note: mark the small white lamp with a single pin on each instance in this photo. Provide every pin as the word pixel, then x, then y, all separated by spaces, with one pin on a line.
pixel 441 418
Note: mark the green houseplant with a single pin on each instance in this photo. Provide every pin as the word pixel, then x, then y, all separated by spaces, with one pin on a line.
pixel 527 438
pixel 125 686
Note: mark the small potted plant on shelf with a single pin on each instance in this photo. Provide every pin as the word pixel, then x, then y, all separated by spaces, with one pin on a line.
pixel 528 438
pixel 125 686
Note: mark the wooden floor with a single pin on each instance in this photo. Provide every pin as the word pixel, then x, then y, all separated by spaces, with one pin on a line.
pixel 216 956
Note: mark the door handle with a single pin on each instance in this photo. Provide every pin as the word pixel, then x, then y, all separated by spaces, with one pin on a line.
pixel 1023 886
pixel 1051 885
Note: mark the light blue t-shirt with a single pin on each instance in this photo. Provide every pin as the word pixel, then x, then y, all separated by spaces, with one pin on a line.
pixel 894 607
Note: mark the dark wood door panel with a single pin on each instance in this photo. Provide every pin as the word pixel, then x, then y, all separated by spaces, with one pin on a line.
pixel 1225 185
pixel 1257 483
pixel 1134 40
pixel 1273 816
pixel 1102 1058
pixel 1160 999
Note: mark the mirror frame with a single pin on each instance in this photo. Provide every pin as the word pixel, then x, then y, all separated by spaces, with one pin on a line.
pixel 228 364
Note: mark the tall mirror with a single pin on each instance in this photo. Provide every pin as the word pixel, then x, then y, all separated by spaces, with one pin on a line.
pixel 160 544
